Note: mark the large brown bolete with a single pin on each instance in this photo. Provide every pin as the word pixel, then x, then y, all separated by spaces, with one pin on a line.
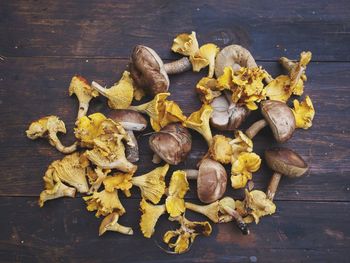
pixel 172 143
pixel 286 162
pixel 278 116
pixel 150 73
pixel 211 180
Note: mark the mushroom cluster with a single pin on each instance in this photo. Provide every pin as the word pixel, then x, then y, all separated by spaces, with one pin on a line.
pixel 101 163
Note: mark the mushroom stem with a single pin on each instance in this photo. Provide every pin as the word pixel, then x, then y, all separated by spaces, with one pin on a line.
pixel 195 208
pixel 99 88
pixel 178 66
pixel 255 128
pixel 121 229
pixel 83 108
pixel 191 174
pixel 132 152
pixel 273 185
pixel 60 147
pixel 238 219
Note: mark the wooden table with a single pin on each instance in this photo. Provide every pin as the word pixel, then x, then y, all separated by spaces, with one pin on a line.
pixel 44 43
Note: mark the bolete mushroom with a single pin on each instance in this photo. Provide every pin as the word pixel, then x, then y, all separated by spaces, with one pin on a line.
pixel 234 56
pixel 172 143
pixel 278 116
pixel 211 180
pixel 283 161
pixel 227 116
pixel 131 121
pixel 150 73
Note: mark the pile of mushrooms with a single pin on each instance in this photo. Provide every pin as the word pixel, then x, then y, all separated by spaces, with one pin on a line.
pixel 102 162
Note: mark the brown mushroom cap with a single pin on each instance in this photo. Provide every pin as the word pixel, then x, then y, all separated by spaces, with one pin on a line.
pixel 286 162
pixel 280 119
pixel 147 70
pixel 226 116
pixel 172 143
pixel 211 181
pixel 129 119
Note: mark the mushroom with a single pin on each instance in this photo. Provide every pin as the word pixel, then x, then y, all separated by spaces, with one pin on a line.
pixel 211 180
pixel 220 211
pixel 120 95
pixel 178 187
pixel 150 216
pixel 110 223
pixel 149 72
pixel 283 161
pixel 234 56
pixel 172 143
pixel 81 88
pixel 131 121
pixel 199 121
pixel 105 203
pixel 48 127
pixel 152 184
pixel 227 116
pixel 278 116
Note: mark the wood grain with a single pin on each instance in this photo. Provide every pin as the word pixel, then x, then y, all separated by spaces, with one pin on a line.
pixel 64 231
pixel 269 29
pixel 38 86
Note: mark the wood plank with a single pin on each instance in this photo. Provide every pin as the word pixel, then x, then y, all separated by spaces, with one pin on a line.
pixel 64 231
pixel 270 29
pixel 32 88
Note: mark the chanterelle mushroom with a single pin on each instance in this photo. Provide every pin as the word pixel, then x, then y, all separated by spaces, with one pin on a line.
pixel 110 223
pixel 278 116
pixel 178 187
pixel 172 143
pixel 48 127
pixel 286 162
pixel 150 216
pixel 220 211
pixel 120 95
pixel 211 180
pixel 81 88
pixel 149 72
pixel 234 56
pixel 186 234
pixel 131 121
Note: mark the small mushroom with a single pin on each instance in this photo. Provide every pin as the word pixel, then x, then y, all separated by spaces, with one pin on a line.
pixel 278 116
pixel 227 116
pixel 172 143
pixel 286 162
pixel 48 127
pixel 150 73
pixel 211 180
pixel 110 223
pixel 234 56
pixel 81 88
pixel 131 121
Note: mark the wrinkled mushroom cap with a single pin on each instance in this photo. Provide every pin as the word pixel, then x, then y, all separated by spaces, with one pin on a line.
pixel 147 70
pixel 172 144
pixel 226 117
pixel 280 119
pixel 211 181
pixel 286 162
pixel 234 56
pixel 129 119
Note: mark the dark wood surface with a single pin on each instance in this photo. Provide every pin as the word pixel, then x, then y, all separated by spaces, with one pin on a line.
pixel 44 43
